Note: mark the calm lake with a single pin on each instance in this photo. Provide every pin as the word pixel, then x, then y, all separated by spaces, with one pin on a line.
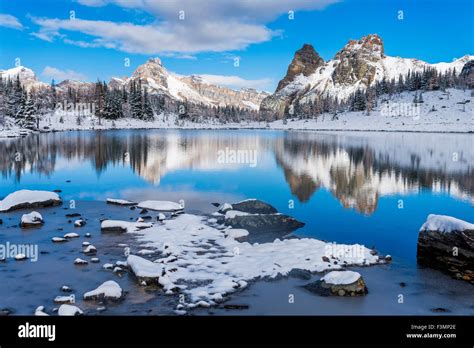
pixel 375 189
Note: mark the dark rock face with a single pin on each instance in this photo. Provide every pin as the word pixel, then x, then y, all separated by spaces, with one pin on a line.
pixel 264 222
pixel 305 61
pixel 355 59
pixel 254 206
pixel 452 252
pixel 467 73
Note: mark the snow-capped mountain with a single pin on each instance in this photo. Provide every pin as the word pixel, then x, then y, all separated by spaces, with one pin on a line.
pixel 359 64
pixel 158 80
pixel 27 77
pixel 193 89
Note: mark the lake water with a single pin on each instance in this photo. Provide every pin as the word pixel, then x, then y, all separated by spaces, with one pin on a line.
pixel 374 189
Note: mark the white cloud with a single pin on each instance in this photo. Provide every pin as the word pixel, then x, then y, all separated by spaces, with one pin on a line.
pixel 236 82
pixel 208 25
pixel 61 75
pixel 9 21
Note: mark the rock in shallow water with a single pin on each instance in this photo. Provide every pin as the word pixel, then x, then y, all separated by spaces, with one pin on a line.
pixel 262 222
pixel 29 199
pixel 339 283
pixel 254 206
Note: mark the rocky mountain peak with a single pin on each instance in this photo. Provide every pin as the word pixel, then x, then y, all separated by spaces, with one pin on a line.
pixel 305 61
pixel 356 60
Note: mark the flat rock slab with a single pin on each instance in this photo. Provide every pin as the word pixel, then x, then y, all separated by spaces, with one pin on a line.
pixel 29 199
pixel 254 206
pixel 264 222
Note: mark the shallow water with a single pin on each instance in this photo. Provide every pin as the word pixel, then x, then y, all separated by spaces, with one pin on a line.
pixel 374 189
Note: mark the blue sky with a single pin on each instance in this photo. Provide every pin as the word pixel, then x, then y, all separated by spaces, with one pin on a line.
pixel 213 33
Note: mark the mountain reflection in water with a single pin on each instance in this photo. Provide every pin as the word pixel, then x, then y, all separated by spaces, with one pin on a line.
pixel 357 168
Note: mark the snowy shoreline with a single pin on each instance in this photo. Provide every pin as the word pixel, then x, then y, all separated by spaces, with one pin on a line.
pixel 439 113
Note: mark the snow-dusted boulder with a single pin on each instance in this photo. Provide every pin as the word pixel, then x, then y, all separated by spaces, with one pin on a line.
pixel 146 271
pixel 166 206
pixel 447 244
pixel 109 290
pixel 339 283
pixel 123 226
pixel 120 202
pixel 79 261
pixel 69 310
pixel 32 219
pixel 236 233
pixel 40 312
pixel 90 250
pixel 79 223
pixel 64 299
pixel 29 199
pixel 58 240
pixel 71 235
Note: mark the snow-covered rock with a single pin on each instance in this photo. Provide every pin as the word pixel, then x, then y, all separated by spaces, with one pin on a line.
pixel 71 235
pixel 20 257
pixel 90 250
pixel 79 261
pixel 236 233
pixel 122 226
pixel 110 290
pixel 339 283
pixel 165 206
pixel 201 262
pixel 58 239
pixel 444 223
pixel 40 311
pixel 79 223
pixel 64 299
pixel 446 243
pixel 69 310
pixel 120 202
pixel 31 220
pixel 29 199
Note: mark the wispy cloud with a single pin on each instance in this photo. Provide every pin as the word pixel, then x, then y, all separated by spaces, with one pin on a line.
pixel 61 75
pixel 236 82
pixel 183 26
pixel 10 21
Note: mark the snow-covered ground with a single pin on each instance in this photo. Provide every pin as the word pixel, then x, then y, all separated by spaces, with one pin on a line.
pixel 207 263
pixel 439 112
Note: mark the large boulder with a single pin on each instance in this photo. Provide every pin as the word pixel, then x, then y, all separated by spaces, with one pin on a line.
pixel 29 199
pixel 447 244
pixel 467 73
pixel 254 206
pixel 339 283
pixel 262 222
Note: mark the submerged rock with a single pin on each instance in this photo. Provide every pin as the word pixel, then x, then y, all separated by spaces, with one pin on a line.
pixel 447 244
pixel 339 283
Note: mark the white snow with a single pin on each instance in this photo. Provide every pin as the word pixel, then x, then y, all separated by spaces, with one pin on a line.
pixel 39 311
pixel 236 233
pixel 79 261
pixel 124 226
pixel 58 239
pixel 109 289
pixel 69 310
pixel 119 201
pixel 201 262
pixel 341 277
pixel 33 218
pixel 144 268
pixel 71 235
pixel 160 205
pixel 64 299
pixel 90 249
pixel 444 223
pixel 27 197
pixel 230 214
